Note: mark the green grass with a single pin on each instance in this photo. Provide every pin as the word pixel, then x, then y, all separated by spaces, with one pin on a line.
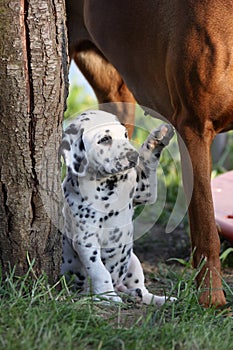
pixel 34 315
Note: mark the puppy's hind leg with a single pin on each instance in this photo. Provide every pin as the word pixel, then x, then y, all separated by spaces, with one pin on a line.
pixel 100 278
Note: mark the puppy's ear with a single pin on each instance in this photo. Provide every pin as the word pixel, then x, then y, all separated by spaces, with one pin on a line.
pixel 73 150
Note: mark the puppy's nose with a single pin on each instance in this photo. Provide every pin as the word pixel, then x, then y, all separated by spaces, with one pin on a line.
pixel 132 157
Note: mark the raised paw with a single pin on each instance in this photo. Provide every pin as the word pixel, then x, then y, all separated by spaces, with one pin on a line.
pixel 160 137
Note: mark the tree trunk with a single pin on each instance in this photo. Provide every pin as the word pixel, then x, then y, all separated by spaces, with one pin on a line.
pixel 33 87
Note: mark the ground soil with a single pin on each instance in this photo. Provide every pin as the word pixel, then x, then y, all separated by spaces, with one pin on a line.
pixel 158 248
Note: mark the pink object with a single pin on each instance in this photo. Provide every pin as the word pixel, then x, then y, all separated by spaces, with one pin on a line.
pixel 222 189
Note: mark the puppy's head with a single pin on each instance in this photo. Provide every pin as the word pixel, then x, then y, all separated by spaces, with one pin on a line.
pixel 96 143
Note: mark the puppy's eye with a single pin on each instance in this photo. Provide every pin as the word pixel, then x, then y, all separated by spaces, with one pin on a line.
pixel 106 140
pixel 126 135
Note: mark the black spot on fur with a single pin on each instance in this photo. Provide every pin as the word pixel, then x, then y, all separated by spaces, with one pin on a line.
pixel 81 146
pixel 76 166
pixel 139 292
pixel 72 129
pixel 121 272
pixel 131 193
pixel 80 276
pixel 77 158
pixel 123 259
pixel 111 183
pixel 65 145
pixel 143 187
pixel 111 269
pixel 157 155
pixel 110 250
pixel 119 237
pixel 143 175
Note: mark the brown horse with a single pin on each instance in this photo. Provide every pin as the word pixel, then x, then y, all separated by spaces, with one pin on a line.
pixel 176 57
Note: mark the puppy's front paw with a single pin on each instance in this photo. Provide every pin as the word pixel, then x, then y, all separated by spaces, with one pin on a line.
pixel 108 298
pixel 160 137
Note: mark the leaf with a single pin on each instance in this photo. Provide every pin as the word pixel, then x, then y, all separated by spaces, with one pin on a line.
pixel 225 254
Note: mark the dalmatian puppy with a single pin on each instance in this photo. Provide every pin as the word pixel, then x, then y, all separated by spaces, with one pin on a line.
pixel 105 177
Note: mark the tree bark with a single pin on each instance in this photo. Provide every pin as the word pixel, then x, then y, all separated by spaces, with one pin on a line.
pixel 33 88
